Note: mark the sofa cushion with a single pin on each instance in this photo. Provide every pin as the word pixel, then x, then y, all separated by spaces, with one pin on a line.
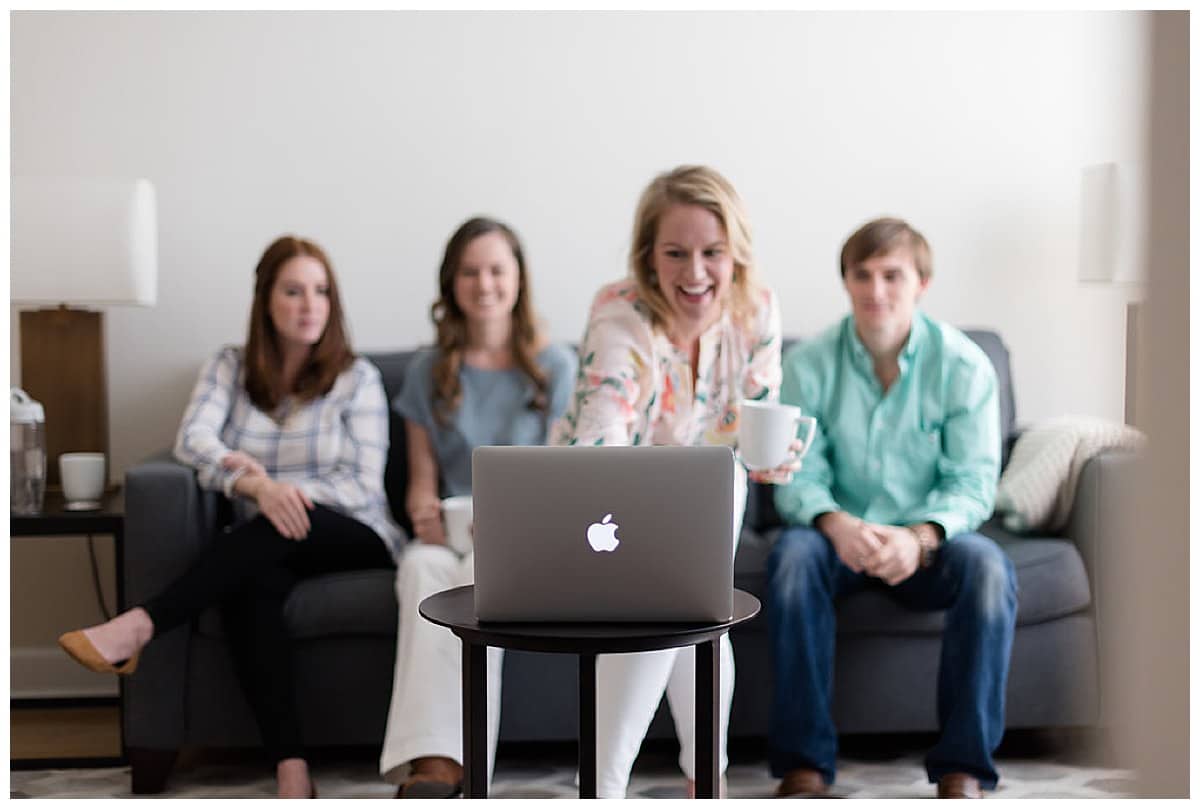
pixel 997 352
pixel 391 367
pixel 356 602
pixel 1051 583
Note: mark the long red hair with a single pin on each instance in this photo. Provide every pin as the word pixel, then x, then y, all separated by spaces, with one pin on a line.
pixel 264 359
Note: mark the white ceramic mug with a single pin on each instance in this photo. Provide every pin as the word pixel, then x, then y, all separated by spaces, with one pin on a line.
pixel 767 429
pixel 457 515
pixel 82 475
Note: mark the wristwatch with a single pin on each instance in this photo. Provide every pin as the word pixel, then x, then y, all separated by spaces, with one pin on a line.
pixel 927 542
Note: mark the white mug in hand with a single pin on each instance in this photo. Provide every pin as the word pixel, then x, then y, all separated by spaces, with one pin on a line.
pixel 766 430
pixel 457 514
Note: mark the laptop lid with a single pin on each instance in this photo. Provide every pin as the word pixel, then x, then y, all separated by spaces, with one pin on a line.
pixel 603 533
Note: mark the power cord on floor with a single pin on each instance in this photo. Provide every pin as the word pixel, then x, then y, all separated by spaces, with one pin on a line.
pixel 96 579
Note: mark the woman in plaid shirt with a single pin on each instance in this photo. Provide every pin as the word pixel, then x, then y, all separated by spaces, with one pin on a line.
pixel 294 429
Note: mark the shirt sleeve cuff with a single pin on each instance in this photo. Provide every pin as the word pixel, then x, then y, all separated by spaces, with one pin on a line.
pixel 952 524
pixel 231 480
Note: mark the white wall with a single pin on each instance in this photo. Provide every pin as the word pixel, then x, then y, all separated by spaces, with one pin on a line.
pixel 377 133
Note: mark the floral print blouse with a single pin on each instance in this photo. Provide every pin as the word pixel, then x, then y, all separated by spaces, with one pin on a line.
pixel 634 386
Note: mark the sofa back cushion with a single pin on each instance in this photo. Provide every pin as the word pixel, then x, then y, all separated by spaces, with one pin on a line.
pixel 760 507
pixel 392 366
pixel 997 352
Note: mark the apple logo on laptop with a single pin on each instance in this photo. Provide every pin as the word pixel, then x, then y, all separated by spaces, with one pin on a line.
pixel 602 536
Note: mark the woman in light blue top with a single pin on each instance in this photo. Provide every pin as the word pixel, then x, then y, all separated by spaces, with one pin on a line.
pixel 491 379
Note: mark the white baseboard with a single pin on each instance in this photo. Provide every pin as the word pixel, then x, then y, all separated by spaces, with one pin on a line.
pixel 39 672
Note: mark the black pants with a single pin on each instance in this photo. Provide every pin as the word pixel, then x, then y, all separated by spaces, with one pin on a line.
pixel 249 572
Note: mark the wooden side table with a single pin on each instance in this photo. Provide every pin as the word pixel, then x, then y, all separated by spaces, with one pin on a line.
pixel 455 610
pixel 55 520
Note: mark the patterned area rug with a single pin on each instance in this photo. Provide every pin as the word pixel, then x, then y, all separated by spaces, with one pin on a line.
pixel 551 774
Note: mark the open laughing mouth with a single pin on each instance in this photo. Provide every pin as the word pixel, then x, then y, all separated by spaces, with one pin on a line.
pixel 696 295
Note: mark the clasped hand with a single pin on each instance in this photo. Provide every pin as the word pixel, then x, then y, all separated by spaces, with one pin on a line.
pixel 886 552
pixel 283 504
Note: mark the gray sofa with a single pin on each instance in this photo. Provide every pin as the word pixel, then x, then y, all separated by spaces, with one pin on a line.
pixel 185 692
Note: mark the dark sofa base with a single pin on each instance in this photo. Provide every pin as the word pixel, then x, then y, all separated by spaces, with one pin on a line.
pixel 345 685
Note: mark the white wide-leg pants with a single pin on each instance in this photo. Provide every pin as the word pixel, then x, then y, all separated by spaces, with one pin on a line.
pixel 630 686
pixel 425 718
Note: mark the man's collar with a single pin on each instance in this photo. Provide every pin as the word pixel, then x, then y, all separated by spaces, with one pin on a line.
pixel 912 344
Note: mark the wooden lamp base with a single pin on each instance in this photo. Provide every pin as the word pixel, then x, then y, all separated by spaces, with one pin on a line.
pixel 62 366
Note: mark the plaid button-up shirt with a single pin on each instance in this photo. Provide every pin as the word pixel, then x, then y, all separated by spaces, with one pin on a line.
pixel 333 448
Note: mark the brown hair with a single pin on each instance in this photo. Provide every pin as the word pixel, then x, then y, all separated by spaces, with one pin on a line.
pixel 881 236
pixel 451 322
pixel 264 361
pixel 703 186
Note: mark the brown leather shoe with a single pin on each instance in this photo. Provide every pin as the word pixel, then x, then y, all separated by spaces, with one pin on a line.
pixel 801 783
pixel 433 777
pixel 958 785
pixel 428 788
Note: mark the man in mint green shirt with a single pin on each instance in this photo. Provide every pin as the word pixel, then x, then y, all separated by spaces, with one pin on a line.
pixel 901 473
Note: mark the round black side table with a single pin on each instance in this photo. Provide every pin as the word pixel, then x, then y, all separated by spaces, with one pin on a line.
pixel 455 610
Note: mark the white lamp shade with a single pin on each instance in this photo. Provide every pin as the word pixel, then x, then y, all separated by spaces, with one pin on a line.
pixel 84 241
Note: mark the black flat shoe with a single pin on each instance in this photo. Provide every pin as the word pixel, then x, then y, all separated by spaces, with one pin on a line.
pixel 429 789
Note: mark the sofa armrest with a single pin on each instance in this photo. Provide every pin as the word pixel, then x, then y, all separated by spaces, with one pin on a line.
pixel 1104 527
pixel 1096 525
pixel 168 521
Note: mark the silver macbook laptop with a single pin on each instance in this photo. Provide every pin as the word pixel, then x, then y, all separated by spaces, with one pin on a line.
pixel 603 533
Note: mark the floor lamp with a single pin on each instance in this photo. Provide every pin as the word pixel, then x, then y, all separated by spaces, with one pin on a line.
pixel 1112 249
pixel 77 242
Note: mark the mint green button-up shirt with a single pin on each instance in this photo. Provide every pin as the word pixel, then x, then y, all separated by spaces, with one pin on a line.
pixel 926 450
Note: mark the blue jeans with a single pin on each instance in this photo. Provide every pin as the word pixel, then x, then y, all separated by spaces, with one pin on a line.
pixel 972 579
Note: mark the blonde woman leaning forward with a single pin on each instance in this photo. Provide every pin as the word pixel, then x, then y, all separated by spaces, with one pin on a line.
pixel 294 429
pixel 668 355
pixel 491 379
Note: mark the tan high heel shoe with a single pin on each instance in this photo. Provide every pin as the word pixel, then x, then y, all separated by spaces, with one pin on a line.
pixel 77 645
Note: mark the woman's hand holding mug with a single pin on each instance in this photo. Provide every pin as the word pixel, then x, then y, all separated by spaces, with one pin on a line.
pixel 767 442
pixel 783 473
pixel 426 516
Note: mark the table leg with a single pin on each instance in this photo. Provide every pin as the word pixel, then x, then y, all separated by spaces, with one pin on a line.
pixel 708 717
pixel 119 550
pixel 475 741
pixel 587 726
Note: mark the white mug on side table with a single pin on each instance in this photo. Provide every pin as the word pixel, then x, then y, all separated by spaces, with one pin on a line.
pixel 766 431
pixel 82 475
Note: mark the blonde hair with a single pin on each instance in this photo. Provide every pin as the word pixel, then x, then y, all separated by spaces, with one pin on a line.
pixel 705 187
